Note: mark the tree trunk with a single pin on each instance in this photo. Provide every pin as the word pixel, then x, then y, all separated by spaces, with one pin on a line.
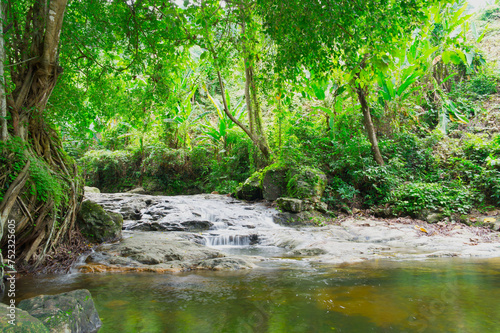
pixel 252 96
pixel 34 76
pixel 372 136
pixel 3 100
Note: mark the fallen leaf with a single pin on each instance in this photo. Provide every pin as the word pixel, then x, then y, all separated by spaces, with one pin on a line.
pixel 489 220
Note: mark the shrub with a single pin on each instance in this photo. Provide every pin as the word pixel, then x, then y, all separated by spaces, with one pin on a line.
pixel 411 198
pixel 111 171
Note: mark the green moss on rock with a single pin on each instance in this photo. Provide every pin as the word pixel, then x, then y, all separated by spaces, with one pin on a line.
pixel 24 322
pixel 97 225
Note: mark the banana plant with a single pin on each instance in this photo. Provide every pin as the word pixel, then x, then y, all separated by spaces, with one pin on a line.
pixel 183 117
pixel 221 130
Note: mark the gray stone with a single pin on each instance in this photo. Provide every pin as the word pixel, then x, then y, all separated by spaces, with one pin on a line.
pixel 251 189
pixel 89 189
pixel 274 183
pixel 290 205
pixel 72 312
pixel 15 320
pixel 309 252
pixel 138 190
pixel 228 263
pixel 96 224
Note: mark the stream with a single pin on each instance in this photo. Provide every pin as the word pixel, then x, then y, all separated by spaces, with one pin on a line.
pixel 360 276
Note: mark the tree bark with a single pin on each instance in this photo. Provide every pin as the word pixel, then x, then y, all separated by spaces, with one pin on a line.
pixel 251 95
pixel 370 129
pixel 3 101
pixel 34 77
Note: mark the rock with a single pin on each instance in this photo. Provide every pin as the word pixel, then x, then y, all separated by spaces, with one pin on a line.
pixel 430 216
pixel 197 225
pixel 290 205
pixel 152 252
pixel 307 183
pixel 96 224
pixel 24 322
pixel 309 252
pixel 302 219
pixel 68 312
pixel 274 182
pixel 251 189
pixel 89 189
pixel 228 263
pixel 138 190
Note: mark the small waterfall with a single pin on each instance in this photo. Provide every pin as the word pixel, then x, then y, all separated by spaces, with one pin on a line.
pixel 232 240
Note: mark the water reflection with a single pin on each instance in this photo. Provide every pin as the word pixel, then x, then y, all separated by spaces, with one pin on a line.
pixel 284 296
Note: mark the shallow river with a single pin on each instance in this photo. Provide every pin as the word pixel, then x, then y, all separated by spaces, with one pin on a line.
pixel 438 295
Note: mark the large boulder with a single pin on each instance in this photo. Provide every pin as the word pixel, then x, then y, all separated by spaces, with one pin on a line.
pixel 251 189
pixel 274 182
pixel 72 312
pixel 307 183
pixel 97 225
pixel 15 320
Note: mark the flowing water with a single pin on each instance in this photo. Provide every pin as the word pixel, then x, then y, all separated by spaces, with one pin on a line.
pixel 282 294
pixel 442 295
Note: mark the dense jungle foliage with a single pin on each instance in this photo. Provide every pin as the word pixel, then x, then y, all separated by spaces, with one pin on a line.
pixel 395 101
pixel 430 91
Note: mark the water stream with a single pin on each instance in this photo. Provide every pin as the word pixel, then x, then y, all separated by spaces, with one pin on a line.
pixel 284 293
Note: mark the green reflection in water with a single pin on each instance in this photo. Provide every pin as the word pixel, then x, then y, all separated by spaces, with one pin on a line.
pixel 386 296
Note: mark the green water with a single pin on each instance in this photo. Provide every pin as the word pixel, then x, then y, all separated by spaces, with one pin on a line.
pixel 294 296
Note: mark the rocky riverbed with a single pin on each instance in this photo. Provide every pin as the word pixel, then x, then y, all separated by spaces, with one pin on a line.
pixel 169 234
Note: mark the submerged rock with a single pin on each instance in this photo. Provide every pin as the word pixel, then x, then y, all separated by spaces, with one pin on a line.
pixel 72 312
pixel 97 225
pixel 14 320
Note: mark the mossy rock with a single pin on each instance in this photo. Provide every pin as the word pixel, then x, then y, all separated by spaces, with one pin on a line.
pixel 307 183
pixel 251 189
pixel 24 322
pixel 97 225
pixel 68 312
pixel 274 182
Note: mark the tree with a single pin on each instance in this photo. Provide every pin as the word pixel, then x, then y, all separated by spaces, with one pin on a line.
pixel 356 36
pixel 226 32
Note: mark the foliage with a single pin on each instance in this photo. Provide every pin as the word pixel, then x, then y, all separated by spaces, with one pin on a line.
pixel 414 197
pixel 111 171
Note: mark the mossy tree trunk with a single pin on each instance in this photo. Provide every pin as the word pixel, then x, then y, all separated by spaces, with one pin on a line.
pixel 32 45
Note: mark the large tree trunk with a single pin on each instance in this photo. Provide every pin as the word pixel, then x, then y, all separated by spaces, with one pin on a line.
pixel 251 93
pixel 3 100
pixel 370 129
pixel 41 225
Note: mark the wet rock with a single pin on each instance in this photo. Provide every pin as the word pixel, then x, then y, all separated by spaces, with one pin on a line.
pixel 228 263
pixel 197 225
pixel 147 251
pixel 68 312
pixel 14 320
pixel 251 189
pixel 309 252
pixel 89 189
pixel 96 224
pixel 291 205
pixel 274 183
